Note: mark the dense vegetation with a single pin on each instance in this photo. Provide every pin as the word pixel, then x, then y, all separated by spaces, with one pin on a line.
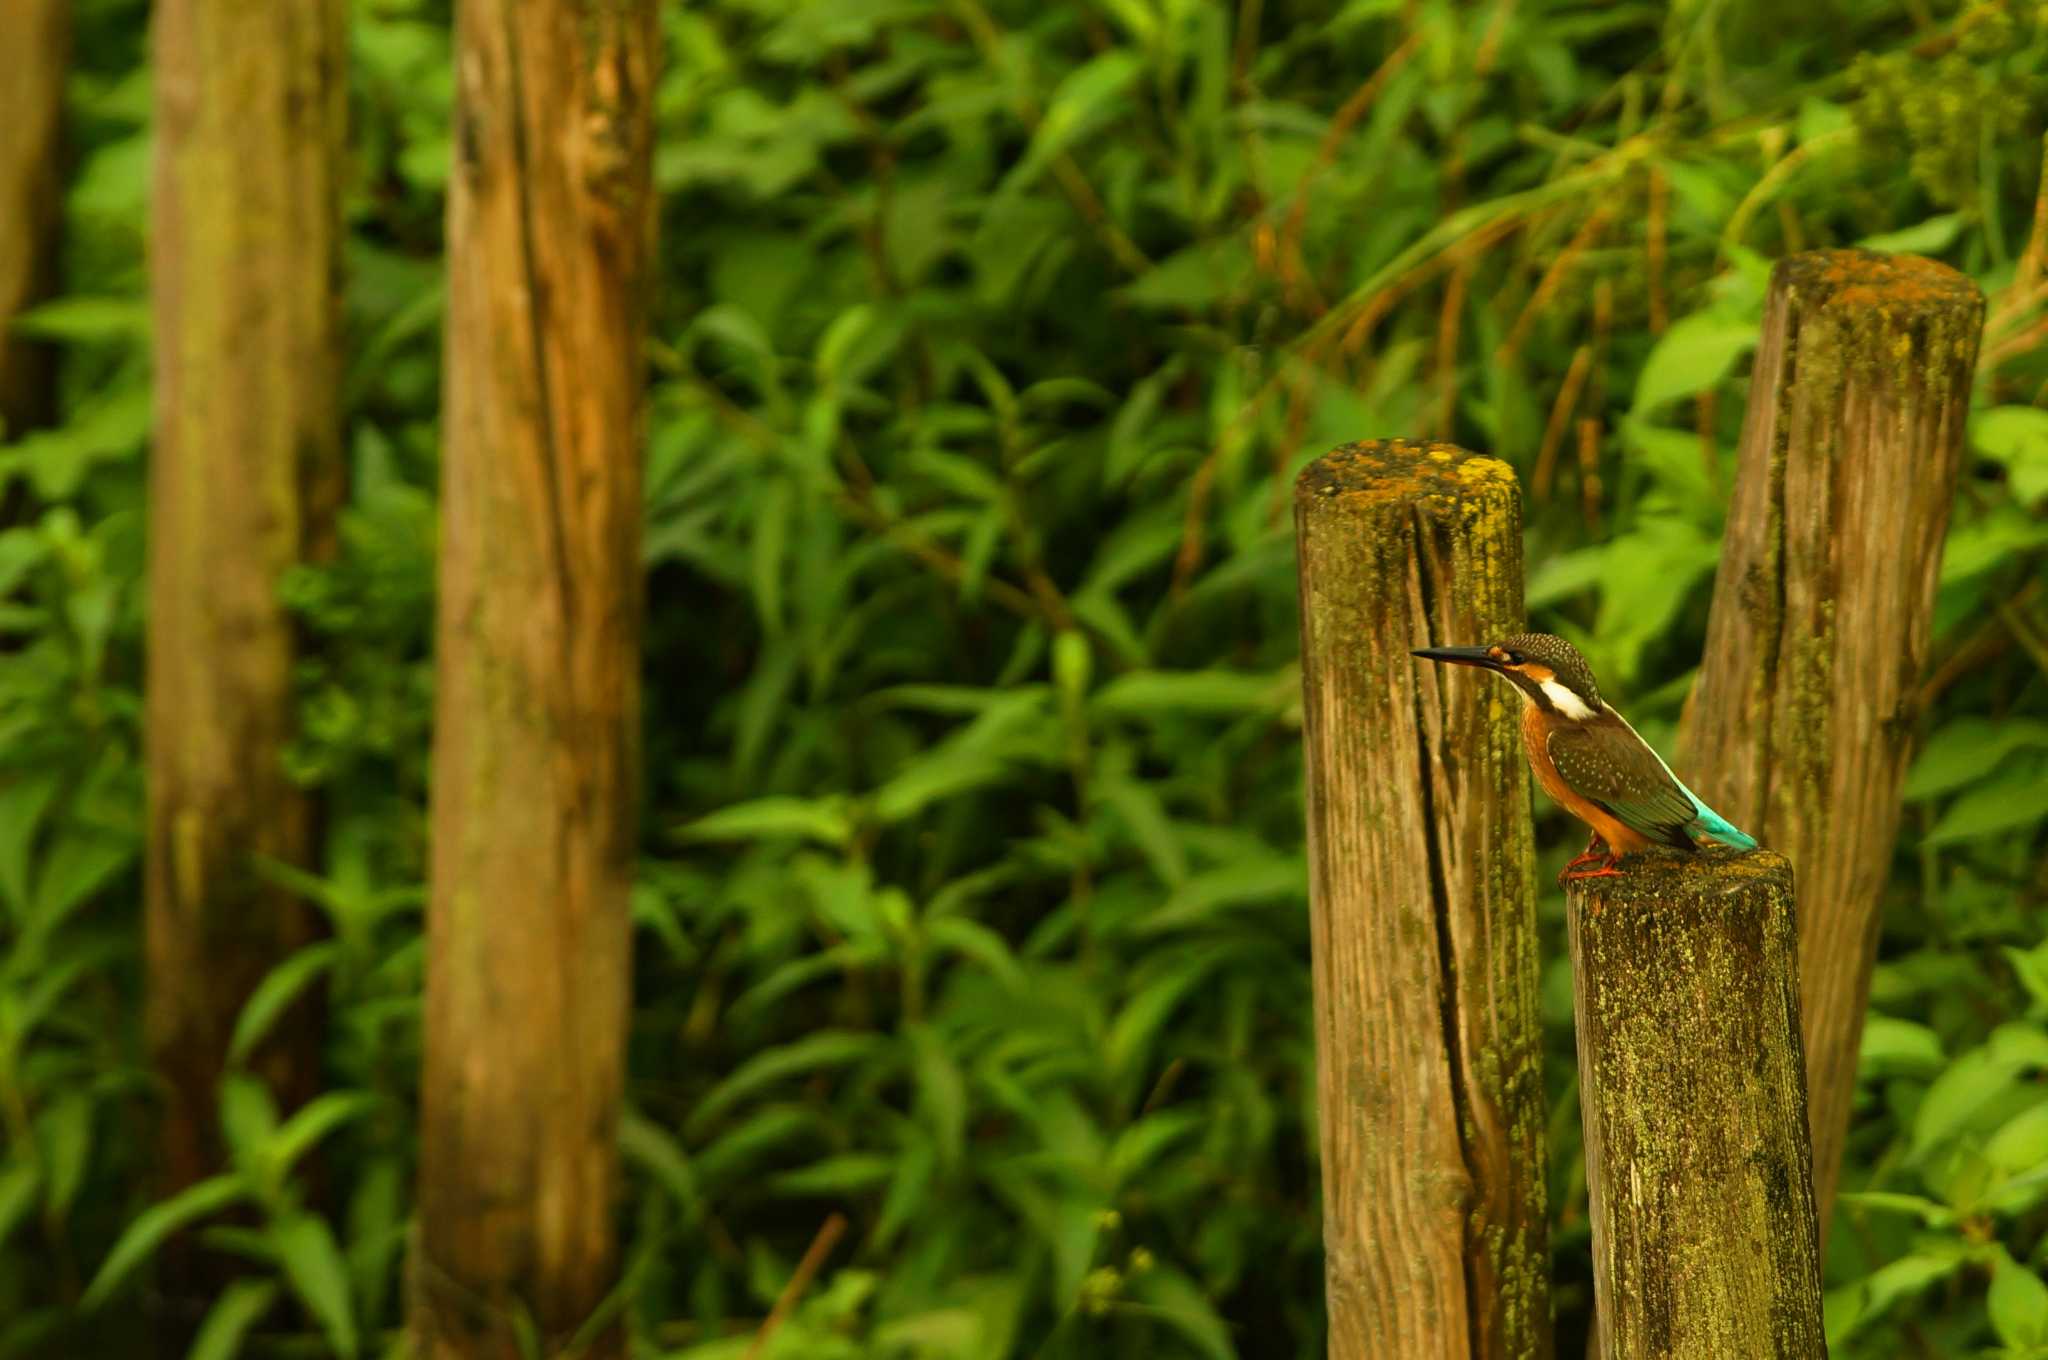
pixel 990 336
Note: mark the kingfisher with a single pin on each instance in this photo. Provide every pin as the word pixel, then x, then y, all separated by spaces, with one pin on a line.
pixel 1588 758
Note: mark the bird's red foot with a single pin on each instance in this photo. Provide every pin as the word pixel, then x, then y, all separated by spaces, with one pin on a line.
pixel 1595 849
pixel 1604 871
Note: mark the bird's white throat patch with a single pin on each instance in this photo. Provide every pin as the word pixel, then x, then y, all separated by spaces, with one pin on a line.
pixel 1564 701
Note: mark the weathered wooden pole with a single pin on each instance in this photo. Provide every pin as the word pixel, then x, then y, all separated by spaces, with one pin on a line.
pixel 1428 1044
pixel 245 480
pixel 1685 980
pixel 1802 724
pixel 537 672
pixel 35 55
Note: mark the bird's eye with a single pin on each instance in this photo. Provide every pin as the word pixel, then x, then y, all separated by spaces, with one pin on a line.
pixel 1513 658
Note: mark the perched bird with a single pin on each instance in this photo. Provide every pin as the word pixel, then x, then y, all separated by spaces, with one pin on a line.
pixel 1588 758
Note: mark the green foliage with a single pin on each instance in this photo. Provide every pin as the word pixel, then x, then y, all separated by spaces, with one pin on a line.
pixel 988 339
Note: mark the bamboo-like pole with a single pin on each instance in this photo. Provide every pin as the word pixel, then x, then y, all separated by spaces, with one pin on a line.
pixel 246 475
pixel 1686 985
pixel 1429 1051
pixel 35 54
pixel 1823 609
pixel 537 681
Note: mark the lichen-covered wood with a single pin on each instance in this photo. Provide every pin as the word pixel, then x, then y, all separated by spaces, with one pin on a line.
pixel 1692 1092
pixel 1802 724
pixel 244 478
pixel 35 47
pixel 1428 1044
pixel 537 703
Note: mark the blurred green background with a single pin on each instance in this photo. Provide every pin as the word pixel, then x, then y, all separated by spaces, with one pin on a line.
pixel 989 338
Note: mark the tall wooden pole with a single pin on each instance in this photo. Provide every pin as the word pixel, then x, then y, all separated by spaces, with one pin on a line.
pixel 1691 1087
pixel 1823 610
pixel 244 480
pixel 537 713
pixel 1428 1044
pixel 35 51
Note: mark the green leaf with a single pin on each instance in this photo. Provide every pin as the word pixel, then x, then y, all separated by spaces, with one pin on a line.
pixel 1693 356
pixel 1931 237
pixel 813 1053
pixel 2022 1143
pixel 1195 277
pixel 85 320
pixel 64 1133
pixel 318 1275
pixel 1173 1298
pixel 1919 1206
pixel 2016 436
pixel 19 1181
pixel 248 1117
pixel 945 772
pixel 649 1146
pixel 154 1225
pixel 1244 882
pixel 240 1307
pixel 2018 1304
pixel 941 1091
pixel 846 1174
pixel 79 864
pixel 1081 102
pixel 818 819
pixel 1853 1307
pixel 1898 1048
pixel 275 993
pixel 973 940
pixel 1973 1081
pixel 2018 796
pixel 313 1121
pixel 1227 693
pixel 1969 749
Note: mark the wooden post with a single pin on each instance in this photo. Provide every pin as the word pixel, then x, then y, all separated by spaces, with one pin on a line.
pixel 1428 1043
pixel 1691 1086
pixel 537 702
pixel 1802 723
pixel 35 47
pixel 245 477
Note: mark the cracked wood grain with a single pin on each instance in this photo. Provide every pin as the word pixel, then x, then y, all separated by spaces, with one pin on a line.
pixel 1428 1042
pixel 1802 725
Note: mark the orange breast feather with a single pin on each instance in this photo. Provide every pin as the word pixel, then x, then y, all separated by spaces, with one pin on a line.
pixel 1536 741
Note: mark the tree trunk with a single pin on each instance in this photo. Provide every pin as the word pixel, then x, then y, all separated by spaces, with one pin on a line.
pixel 537 703
pixel 244 481
pixel 1802 724
pixel 1428 1043
pixel 1691 1087
pixel 35 52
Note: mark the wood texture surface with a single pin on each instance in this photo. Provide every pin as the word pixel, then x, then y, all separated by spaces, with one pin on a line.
pixel 35 55
pixel 537 712
pixel 1802 724
pixel 1692 1092
pixel 1428 1044
pixel 245 475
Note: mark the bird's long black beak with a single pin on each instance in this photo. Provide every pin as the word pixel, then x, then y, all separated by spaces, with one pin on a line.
pixel 1459 656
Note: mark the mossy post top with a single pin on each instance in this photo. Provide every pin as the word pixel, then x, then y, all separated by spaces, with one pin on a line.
pixel 1660 880
pixel 1893 314
pixel 1378 471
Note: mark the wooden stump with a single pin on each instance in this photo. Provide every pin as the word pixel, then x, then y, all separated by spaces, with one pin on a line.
pixel 1802 724
pixel 1429 1046
pixel 1691 1086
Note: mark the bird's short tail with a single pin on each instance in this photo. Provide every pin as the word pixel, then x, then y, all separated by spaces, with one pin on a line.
pixel 1715 827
